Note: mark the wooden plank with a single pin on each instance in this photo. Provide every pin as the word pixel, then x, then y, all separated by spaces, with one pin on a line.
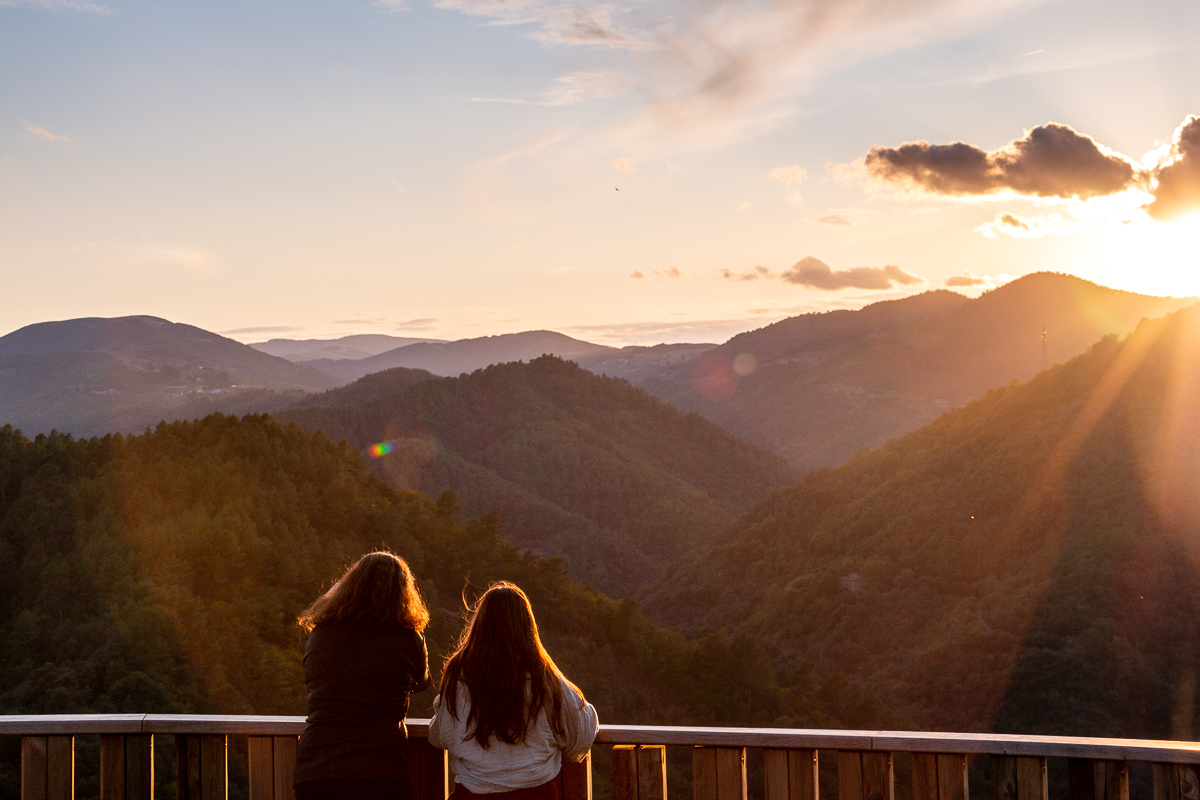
pixel 428 770
pixel 187 767
pixel 952 776
pixel 878 780
pixel 1081 777
pixel 1004 778
pixel 577 778
pixel 112 768
pixel 731 773
pixel 652 772
pixel 261 762
pixel 850 775
pixel 1189 785
pixel 60 767
pixel 214 768
pixel 924 776
pixel 283 750
pixel 803 778
pixel 1166 782
pixel 33 767
pixel 69 724
pixel 777 777
pixel 625 773
pixel 139 767
pixel 1112 780
pixel 704 773
pixel 1031 779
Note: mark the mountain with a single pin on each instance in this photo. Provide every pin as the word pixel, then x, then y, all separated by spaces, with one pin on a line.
pixel 636 363
pixel 817 387
pixel 356 346
pixel 1027 563
pixel 92 376
pixel 616 481
pixel 163 573
pixel 464 355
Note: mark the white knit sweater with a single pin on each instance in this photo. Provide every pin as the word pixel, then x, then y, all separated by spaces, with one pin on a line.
pixel 501 767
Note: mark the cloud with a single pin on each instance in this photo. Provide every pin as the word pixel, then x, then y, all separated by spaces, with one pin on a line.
pixel 37 130
pixel 400 187
pixel 745 205
pixel 672 272
pixel 1177 186
pixel 816 274
pixel 262 329
pixel 623 165
pixel 554 23
pixel 638 274
pixel 1049 161
pixel 361 321
pixel 793 173
pixel 754 274
pixel 58 6
pixel 836 220
pixel 391 6
pixel 570 89
pixel 969 281
pixel 422 323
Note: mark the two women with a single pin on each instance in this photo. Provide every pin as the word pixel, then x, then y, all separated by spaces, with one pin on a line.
pixel 506 714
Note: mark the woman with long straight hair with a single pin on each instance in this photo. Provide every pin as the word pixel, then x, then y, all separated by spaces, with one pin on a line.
pixel 365 656
pixel 506 714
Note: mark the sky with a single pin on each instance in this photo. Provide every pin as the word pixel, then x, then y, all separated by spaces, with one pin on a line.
pixel 625 173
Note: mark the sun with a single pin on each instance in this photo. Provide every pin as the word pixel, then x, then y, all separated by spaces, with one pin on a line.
pixel 1143 255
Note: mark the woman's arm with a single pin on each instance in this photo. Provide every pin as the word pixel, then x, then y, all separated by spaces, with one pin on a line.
pixel 580 725
pixel 421 683
pixel 439 726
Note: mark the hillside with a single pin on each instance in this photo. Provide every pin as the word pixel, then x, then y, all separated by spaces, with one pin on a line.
pixel 815 388
pixel 163 573
pixel 355 346
pixel 94 376
pixel 616 481
pixel 464 355
pixel 1028 563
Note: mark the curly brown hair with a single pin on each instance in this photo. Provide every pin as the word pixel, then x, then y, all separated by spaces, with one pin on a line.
pixel 378 589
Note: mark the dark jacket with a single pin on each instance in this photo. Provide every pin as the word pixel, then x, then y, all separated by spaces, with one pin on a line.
pixel 359 679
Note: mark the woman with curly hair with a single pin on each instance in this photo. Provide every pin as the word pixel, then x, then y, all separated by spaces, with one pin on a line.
pixel 365 656
pixel 506 714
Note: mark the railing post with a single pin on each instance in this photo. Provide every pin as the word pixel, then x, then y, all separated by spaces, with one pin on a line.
pixel 47 767
pixel 790 775
pixel 1096 779
pixel 719 773
pixel 1176 782
pixel 428 769
pixel 202 771
pixel 576 778
pixel 639 772
pixel 865 776
pixel 127 767
pixel 940 776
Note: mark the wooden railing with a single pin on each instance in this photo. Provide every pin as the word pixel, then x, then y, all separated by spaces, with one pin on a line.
pixel 1097 768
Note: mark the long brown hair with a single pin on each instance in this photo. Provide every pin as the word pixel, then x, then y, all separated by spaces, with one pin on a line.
pixel 498 653
pixel 378 589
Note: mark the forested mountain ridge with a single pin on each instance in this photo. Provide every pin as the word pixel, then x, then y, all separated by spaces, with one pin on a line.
pixel 618 482
pixel 93 376
pixel 815 388
pixel 1028 563
pixel 163 573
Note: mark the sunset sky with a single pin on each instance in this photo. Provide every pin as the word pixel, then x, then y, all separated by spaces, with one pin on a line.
pixel 626 173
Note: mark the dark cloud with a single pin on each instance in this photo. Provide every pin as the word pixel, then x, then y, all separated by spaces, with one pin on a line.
pixel 965 280
pixel 816 274
pixel 1051 160
pixel 1178 187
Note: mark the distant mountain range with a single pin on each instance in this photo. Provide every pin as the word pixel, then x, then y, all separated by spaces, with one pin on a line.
pixel 817 387
pixel 93 376
pixel 1027 563
pixel 618 482
pixel 355 346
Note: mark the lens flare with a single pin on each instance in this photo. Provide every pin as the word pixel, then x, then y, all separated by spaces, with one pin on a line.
pixel 381 449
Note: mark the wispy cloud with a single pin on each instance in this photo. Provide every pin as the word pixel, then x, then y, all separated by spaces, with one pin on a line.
pixel 262 329
pixel 390 6
pixel 813 273
pixel 58 6
pixel 571 89
pixel 792 173
pixel 42 133
pixel 554 23
pixel 624 165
